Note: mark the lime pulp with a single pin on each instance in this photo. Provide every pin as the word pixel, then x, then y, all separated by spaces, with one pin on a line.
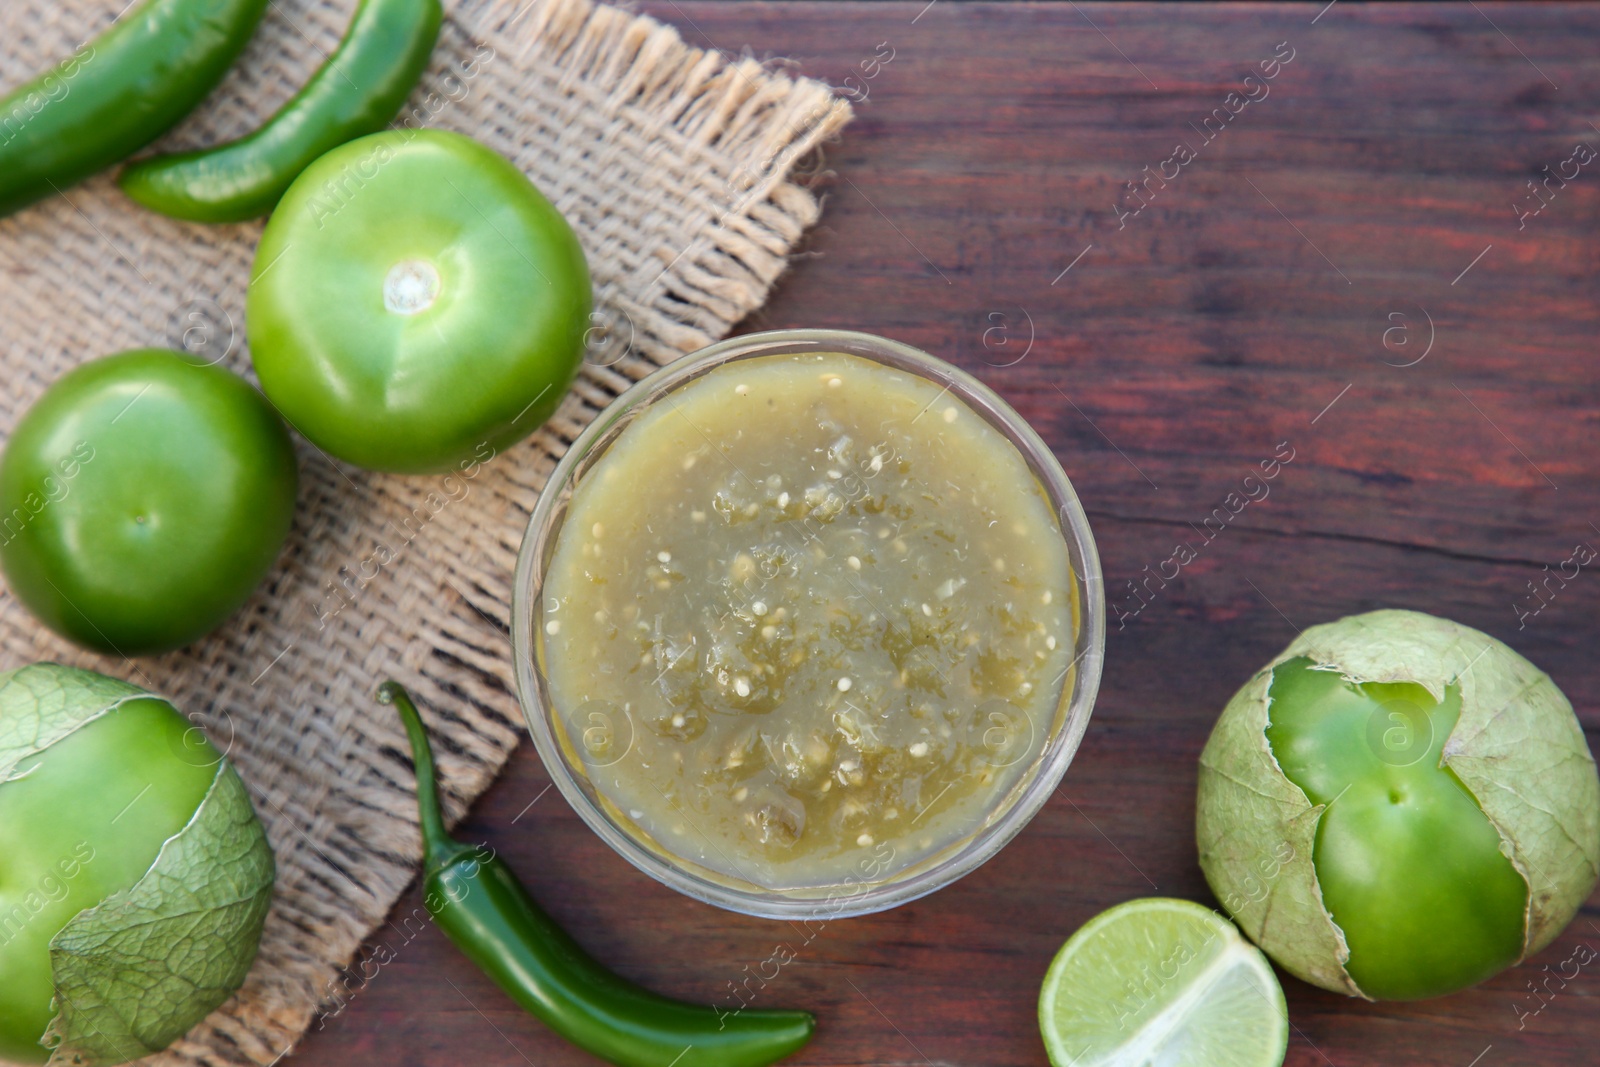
pixel 1162 982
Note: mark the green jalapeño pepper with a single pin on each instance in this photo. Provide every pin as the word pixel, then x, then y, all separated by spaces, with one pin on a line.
pixel 356 92
pixel 480 905
pixel 117 94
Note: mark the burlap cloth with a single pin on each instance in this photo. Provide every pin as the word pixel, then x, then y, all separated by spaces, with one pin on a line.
pixel 674 166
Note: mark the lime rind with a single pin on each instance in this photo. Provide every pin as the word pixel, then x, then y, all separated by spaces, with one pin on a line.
pixel 1161 981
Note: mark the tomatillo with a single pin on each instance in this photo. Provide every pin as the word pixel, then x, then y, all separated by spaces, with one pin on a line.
pixel 142 499
pixel 416 303
pixel 134 874
pixel 1399 807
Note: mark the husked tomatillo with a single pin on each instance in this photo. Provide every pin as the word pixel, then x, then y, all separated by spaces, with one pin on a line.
pixel 1399 807
pixel 134 875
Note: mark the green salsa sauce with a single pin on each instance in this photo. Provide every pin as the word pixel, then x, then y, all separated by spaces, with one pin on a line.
pixel 808 616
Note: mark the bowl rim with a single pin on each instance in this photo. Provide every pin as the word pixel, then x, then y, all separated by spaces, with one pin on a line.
pixel 1000 826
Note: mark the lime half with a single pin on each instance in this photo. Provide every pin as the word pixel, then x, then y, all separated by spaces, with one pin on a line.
pixel 1162 983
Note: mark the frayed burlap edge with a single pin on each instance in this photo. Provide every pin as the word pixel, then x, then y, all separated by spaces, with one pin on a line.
pixel 674 166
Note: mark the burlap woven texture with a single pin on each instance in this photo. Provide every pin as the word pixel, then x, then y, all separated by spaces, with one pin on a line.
pixel 674 166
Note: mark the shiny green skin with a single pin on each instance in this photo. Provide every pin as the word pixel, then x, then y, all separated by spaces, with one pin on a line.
pixel 479 904
pixel 88 823
pixel 142 499
pixel 481 367
pixel 356 92
pixel 117 93
pixel 1410 867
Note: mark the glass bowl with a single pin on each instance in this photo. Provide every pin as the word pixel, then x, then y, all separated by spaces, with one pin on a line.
pixel 1008 811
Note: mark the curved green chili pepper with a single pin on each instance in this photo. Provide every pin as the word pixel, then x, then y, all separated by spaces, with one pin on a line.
pixel 117 93
pixel 356 92
pixel 480 905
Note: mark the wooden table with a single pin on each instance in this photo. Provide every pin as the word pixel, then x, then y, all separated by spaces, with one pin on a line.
pixel 1342 268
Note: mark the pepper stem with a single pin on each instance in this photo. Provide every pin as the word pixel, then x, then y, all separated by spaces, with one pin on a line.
pixel 437 846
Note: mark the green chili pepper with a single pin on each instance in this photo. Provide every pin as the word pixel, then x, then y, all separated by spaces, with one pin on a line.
pixel 117 94
pixel 356 92
pixel 480 905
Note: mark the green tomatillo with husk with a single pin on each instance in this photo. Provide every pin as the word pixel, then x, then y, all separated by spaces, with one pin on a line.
pixel 134 875
pixel 1398 807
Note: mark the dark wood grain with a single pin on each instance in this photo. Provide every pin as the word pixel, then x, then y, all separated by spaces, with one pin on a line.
pixel 1183 347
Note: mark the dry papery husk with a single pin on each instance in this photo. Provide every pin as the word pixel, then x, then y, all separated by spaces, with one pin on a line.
pixel 1517 747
